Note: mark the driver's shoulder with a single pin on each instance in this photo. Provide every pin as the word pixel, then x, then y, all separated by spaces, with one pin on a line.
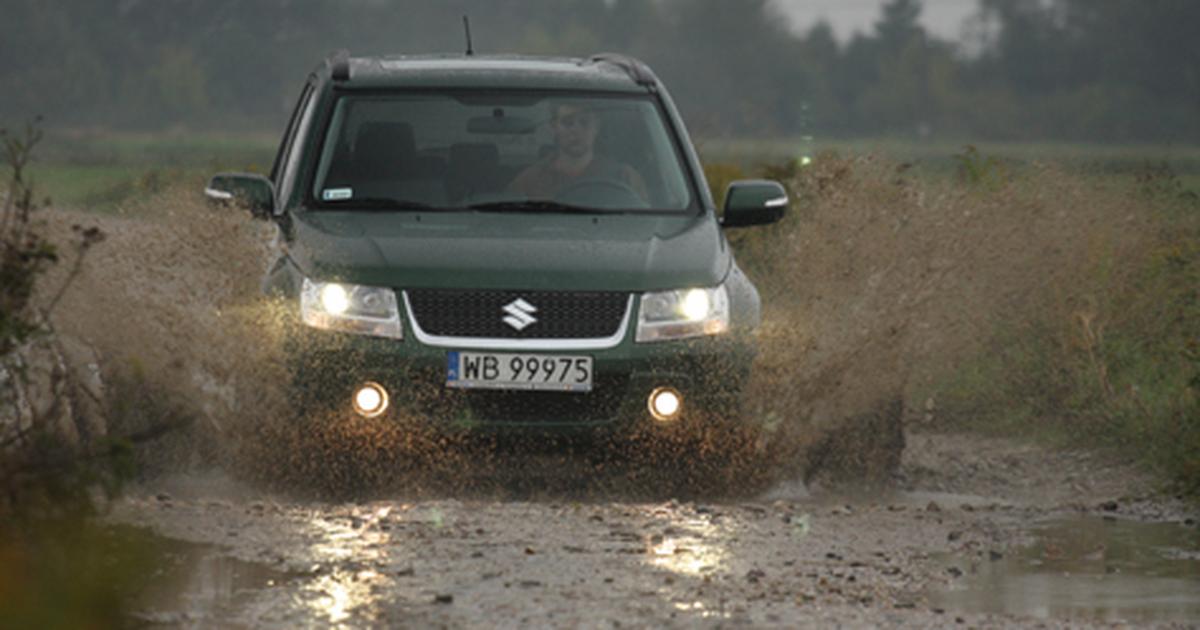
pixel 534 172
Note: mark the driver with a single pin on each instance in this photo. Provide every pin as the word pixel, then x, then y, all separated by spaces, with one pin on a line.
pixel 574 160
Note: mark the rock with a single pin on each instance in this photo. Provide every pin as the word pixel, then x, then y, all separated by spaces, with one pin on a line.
pixel 87 387
pixel 34 381
pixel 443 598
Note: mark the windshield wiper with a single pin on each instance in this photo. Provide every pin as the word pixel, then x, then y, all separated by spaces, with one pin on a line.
pixel 380 203
pixel 535 205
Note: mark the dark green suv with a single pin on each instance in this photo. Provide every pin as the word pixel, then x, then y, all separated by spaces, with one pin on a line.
pixel 505 243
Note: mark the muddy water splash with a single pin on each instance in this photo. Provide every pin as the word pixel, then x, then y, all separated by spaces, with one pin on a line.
pixel 171 303
pixel 882 281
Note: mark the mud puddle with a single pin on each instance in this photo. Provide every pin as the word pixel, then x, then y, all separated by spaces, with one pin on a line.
pixel 199 584
pixel 1085 568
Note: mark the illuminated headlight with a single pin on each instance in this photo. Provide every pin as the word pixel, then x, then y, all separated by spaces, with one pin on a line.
pixel 350 308
pixel 683 313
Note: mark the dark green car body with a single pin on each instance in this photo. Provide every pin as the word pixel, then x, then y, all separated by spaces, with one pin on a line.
pixel 459 258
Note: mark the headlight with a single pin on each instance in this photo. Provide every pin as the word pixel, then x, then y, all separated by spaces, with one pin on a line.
pixel 350 308
pixel 683 313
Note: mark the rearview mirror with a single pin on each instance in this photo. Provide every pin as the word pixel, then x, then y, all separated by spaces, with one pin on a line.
pixel 499 124
pixel 754 202
pixel 254 192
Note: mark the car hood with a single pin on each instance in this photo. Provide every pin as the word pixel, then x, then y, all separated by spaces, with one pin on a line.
pixel 493 250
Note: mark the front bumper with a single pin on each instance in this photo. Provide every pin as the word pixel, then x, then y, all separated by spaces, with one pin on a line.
pixel 327 367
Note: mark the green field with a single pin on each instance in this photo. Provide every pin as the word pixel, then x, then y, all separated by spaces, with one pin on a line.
pixel 101 170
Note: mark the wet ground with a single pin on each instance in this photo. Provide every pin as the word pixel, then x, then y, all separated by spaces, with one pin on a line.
pixel 1087 568
pixel 980 540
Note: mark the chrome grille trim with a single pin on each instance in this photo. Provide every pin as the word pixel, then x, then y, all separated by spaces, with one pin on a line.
pixel 489 343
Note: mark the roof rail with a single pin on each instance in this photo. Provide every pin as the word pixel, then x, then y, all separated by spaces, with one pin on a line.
pixel 339 65
pixel 634 68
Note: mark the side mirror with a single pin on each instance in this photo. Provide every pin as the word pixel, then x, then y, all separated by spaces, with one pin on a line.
pixel 254 192
pixel 754 202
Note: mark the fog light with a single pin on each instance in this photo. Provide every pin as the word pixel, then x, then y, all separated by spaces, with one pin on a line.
pixel 370 400
pixel 665 404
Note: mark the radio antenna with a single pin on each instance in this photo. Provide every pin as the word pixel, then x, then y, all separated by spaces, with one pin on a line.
pixel 467 28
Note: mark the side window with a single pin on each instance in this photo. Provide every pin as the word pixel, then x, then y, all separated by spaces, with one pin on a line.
pixel 295 150
pixel 290 133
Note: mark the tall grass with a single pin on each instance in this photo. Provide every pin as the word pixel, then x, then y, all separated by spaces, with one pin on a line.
pixel 1040 302
pixel 1111 357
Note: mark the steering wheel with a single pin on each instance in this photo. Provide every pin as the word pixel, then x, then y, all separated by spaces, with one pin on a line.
pixel 602 193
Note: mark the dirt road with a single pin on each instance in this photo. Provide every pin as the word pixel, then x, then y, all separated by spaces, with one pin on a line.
pixel 971 521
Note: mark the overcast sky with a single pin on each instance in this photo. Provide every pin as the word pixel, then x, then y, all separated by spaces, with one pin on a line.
pixel 944 18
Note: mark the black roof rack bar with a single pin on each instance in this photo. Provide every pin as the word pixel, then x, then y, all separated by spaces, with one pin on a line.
pixel 339 65
pixel 634 68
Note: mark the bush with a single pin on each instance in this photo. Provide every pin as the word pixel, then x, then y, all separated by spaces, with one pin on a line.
pixel 1110 356
pixel 24 254
pixel 1031 302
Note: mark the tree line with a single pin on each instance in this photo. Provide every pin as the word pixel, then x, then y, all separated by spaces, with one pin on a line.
pixel 1064 70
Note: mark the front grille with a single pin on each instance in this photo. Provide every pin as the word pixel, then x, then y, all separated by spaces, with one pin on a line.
pixel 481 313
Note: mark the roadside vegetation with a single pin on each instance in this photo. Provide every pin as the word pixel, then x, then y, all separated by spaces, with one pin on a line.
pixel 1016 298
pixel 1109 356
pixel 58 567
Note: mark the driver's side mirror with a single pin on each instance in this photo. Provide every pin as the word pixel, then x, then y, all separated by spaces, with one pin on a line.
pixel 754 202
pixel 254 192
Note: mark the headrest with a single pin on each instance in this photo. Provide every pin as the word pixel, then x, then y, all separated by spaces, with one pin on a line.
pixel 382 147
pixel 481 153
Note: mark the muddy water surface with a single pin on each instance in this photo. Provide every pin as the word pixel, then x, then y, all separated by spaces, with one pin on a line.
pixel 1087 568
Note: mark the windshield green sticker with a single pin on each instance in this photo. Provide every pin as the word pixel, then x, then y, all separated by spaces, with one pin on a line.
pixel 333 194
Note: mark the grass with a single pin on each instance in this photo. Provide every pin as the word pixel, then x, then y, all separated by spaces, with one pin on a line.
pixel 1057 303
pixel 941 159
pixel 102 171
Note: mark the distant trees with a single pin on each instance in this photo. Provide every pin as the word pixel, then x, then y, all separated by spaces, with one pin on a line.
pixel 1097 70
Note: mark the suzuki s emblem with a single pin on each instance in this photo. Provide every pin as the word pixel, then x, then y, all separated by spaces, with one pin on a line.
pixel 520 314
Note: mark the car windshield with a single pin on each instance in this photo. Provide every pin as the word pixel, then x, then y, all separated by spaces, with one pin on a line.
pixel 500 151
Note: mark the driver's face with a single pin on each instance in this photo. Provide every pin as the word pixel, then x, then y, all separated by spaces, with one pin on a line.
pixel 574 130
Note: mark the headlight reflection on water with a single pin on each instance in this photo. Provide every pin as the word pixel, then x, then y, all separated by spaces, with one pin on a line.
pixel 342 593
pixel 695 551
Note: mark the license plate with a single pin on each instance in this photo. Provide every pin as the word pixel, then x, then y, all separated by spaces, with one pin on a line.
pixel 489 370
